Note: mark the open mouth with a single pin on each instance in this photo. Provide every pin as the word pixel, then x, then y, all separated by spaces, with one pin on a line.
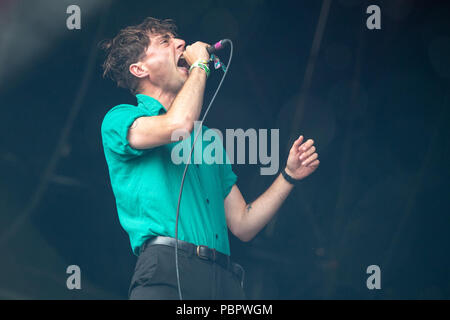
pixel 182 63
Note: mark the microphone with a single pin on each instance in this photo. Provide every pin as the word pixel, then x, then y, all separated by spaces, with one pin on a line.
pixel 218 46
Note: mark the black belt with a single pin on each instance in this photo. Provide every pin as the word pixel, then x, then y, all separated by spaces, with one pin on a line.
pixel 202 252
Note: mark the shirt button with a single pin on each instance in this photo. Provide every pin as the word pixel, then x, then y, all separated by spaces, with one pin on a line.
pixel 217 236
pixel 207 200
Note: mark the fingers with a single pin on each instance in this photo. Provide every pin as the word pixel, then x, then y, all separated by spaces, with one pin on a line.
pixel 306 145
pixel 307 153
pixel 310 159
pixel 203 44
pixel 314 164
pixel 297 143
pixel 196 51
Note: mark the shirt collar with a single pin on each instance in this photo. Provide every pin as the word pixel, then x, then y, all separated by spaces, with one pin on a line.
pixel 150 103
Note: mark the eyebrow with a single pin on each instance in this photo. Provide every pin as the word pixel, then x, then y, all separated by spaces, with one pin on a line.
pixel 164 36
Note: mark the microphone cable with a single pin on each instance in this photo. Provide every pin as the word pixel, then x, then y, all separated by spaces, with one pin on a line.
pixel 190 155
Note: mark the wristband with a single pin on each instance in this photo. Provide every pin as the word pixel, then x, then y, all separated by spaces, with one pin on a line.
pixel 288 178
pixel 202 64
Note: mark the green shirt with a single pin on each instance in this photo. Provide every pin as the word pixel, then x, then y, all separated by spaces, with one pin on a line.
pixel 146 184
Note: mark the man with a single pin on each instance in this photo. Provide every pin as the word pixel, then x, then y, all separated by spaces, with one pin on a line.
pixel 168 79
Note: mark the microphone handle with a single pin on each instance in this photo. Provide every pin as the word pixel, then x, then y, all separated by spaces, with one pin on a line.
pixel 216 47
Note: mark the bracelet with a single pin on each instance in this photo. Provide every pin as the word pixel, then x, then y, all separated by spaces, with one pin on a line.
pixel 288 178
pixel 203 64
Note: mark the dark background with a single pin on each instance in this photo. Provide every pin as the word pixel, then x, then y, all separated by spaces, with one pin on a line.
pixel 375 102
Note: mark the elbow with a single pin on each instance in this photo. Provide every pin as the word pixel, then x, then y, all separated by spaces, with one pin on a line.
pixel 244 236
pixel 240 228
pixel 135 141
pixel 187 126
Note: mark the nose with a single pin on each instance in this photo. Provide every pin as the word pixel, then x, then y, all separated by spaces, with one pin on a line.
pixel 180 44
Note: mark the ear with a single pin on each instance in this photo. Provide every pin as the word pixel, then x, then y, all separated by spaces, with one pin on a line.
pixel 138 70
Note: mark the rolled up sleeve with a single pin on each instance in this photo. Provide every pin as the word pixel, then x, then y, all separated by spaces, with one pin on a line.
pixel 115 127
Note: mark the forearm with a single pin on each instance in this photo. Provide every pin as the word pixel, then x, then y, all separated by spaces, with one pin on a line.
pixel 258 213
pixel 302 161
pixel 187 105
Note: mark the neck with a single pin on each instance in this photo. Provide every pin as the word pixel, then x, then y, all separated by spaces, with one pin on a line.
pixel 165 98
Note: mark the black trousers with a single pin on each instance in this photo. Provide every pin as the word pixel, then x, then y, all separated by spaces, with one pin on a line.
pixel 155 277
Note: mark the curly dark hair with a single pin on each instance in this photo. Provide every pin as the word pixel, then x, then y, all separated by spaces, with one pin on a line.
pixel 129 47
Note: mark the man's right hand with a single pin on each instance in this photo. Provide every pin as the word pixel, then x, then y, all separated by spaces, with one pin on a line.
pixel 195 52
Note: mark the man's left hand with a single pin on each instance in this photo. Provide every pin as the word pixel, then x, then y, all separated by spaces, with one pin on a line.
pixel 302 160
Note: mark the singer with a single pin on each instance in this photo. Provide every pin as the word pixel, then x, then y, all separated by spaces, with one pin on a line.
pixel 168 79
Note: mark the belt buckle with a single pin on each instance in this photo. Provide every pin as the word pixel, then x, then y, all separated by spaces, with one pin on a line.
pixel 202 256
pixel 241 275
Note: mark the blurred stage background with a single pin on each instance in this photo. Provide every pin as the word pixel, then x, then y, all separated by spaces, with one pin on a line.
pixel 375 102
